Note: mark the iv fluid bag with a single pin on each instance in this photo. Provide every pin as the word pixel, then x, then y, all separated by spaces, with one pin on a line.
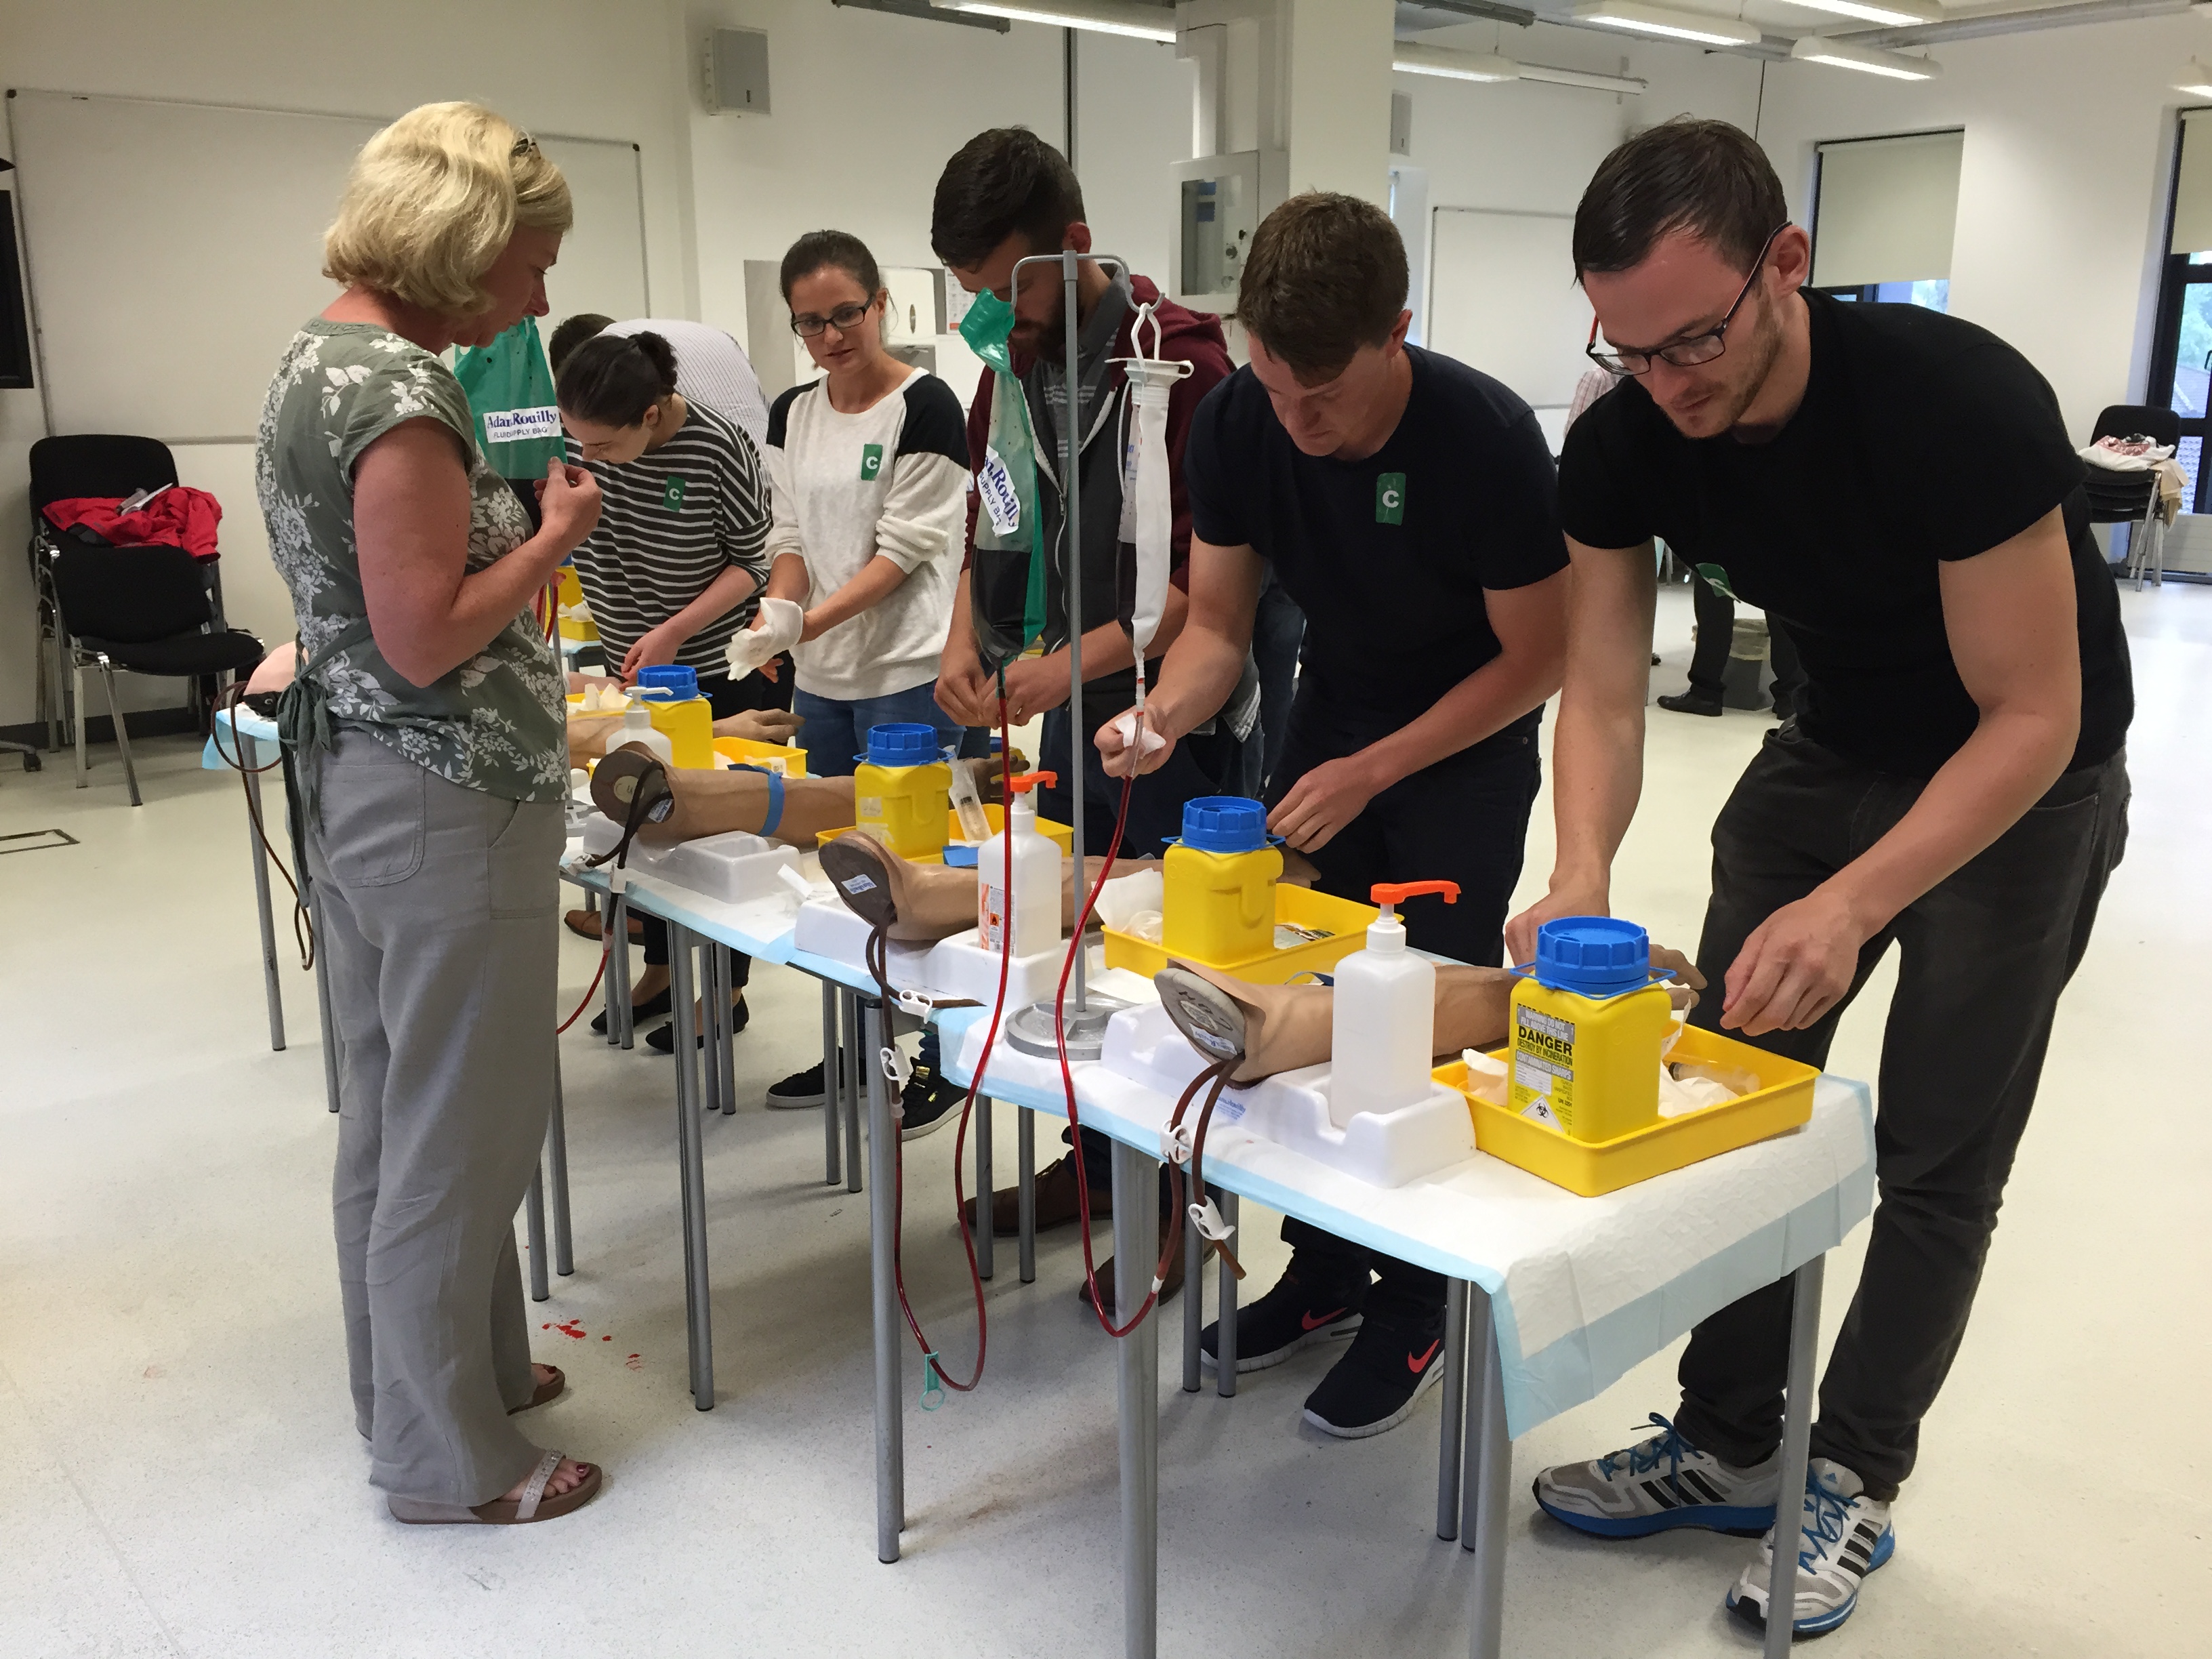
pixel 1009 528
pixel 1147 505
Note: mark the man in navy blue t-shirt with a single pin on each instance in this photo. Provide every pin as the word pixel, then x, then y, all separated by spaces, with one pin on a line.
pixel 1407 504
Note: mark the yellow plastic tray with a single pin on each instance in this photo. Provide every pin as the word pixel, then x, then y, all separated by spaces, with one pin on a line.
pixel 1344 921
pixel 1783 1101
pixel 1060 835
pixel 752 751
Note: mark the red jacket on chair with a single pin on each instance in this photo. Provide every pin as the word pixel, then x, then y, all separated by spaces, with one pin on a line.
pixel 178 517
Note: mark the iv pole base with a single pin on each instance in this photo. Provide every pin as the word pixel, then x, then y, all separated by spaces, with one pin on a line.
pixel 1031 1031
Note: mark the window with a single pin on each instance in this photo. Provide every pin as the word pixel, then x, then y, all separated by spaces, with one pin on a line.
pixel 1884 210
pixel 2181 342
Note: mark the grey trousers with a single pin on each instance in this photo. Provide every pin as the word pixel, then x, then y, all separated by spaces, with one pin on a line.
pixel 438 916
pixel 1984 955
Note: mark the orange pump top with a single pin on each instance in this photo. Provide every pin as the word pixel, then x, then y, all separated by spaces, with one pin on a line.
pixel 1022 782
pixel 1389 893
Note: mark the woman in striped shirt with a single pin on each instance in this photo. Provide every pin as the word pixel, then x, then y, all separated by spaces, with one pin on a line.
pixel 676 565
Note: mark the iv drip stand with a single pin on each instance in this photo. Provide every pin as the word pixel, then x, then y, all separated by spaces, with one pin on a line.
pixel 1031 1030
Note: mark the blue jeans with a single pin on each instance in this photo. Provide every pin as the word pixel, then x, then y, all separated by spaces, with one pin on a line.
pixel 836 729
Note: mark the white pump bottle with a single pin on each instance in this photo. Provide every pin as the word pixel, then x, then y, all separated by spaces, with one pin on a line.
pixel 1035 903
pixel 1384 1022
pixel 638 729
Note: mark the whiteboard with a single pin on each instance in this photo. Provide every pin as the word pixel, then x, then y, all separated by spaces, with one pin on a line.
pixel 1502 299
pixel 175 248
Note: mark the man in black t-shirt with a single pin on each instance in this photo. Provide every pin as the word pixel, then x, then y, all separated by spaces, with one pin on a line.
pixel 1897 488
pixel 1406 503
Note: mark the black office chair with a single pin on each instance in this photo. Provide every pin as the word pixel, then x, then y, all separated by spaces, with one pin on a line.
pixel 2131 498
pixel 146 610
pixel 102 465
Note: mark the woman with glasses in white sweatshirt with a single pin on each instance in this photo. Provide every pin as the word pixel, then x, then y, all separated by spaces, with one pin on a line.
pixel 868 470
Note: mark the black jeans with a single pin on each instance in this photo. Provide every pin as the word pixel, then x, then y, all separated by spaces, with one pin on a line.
pixel 1716 614
pixel 1464 819
pixel 1984 956
pixel 724 698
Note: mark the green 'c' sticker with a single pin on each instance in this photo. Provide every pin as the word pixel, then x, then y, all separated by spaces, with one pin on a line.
pixel 1715 577
pixel 671 496
pixel 1390 498
pixel 872 462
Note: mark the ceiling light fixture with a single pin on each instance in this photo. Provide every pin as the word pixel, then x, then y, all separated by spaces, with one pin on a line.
pixel 2196 80
pixel 1667 24
pixel 1412 58
pixel 1896 14
pixel 1841 54
pixel 1128 17
pixel 1626 85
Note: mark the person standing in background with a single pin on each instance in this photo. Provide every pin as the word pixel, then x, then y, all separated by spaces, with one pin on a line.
pixel 674 569
pixel 1004 195
pixel 425 726
pixel 869 470
pixel 712 368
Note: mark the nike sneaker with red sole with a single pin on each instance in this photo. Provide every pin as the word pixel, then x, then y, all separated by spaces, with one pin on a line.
pixel 1380 1378
pixel 1288 1318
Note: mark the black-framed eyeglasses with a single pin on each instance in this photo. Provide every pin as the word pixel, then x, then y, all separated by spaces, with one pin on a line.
pixel 845 319
pixel 1698 348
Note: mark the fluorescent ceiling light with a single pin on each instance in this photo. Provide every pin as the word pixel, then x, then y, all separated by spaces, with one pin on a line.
pixel 2196 80
pixel 1413 58
pixel 1667 24
pixel 1898 14
pixel 1841 54
pixel 1105 17
pixel 1628 85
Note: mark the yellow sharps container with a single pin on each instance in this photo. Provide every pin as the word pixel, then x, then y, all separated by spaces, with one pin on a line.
pixel 1587 1031
pixel 902 792
pixel 1219 904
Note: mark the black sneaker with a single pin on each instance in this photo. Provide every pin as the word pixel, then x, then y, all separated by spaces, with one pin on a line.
pixel 800 1088
pixel 1288 1318
pixel 1692 703
pixel 927 1103
pixel 1376 1385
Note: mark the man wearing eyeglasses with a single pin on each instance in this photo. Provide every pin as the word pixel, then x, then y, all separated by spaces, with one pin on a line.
pixel 1897 488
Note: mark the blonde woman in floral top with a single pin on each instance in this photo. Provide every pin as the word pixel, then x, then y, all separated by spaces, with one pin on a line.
pixel 427 726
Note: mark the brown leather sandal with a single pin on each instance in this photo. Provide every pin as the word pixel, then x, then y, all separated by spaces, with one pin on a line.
pixel 533 1504
pixel 549 1390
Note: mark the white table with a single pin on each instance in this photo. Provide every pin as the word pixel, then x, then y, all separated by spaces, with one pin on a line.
pixel 1562 1294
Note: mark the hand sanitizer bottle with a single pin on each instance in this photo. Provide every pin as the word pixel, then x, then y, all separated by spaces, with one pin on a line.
pixel 1383 1031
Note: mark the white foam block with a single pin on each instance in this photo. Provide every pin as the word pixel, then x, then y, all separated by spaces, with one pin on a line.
pixel 736 867
pixel 1384 1149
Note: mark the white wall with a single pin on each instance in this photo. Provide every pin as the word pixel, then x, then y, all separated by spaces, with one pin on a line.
pixel 2062 187
pixel 568 66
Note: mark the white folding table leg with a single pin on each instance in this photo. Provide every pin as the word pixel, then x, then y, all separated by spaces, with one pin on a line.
pixel 1487 1483
pixel 249 757
pixel 1454 1411
pixel 851 1085
pixel 1025 1191
pixel 882 1147
pixel 1796 1452
pixel 333 1044
pixel 833 1099
pixel 986 1251
pixel 533 1210
pixel 1194 1302
pixel 556 1165
pixel 1224 1315
pixel 1137 1390
pixel 690 1160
